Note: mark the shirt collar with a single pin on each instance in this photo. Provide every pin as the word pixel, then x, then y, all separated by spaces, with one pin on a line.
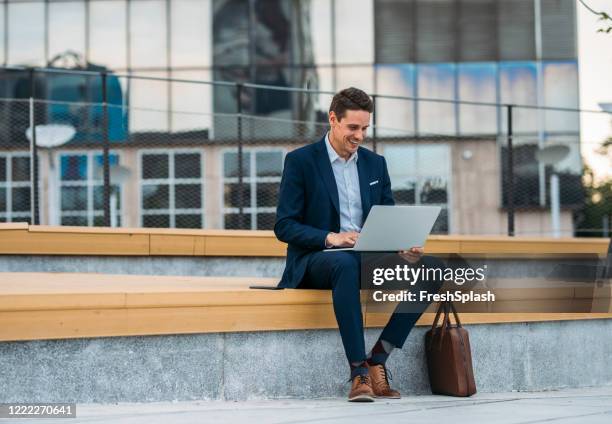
pixel 333 155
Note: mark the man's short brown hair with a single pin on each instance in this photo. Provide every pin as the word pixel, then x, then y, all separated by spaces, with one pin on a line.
pixel 350 99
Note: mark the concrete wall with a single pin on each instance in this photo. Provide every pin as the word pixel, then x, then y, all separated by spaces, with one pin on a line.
pixel 280 364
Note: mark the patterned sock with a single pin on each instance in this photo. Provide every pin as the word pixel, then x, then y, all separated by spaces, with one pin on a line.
pixel 358 368
pixel 380 352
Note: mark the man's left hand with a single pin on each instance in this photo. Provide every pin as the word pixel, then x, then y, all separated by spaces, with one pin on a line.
pixel 412 255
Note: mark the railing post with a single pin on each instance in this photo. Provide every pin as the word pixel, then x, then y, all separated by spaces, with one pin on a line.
pixel 106 162
pixel 34 212
pixel 510 186
pixel 374 114
pixel 241 216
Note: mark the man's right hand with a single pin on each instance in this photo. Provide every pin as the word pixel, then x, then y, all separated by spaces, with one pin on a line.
pixel 346 239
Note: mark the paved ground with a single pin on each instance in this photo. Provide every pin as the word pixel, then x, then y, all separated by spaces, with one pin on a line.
pixel 593 405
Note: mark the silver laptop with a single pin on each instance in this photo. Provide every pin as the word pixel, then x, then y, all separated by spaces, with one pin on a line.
pixel 394 228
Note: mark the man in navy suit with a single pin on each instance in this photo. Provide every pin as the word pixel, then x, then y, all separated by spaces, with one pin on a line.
pixel 326 193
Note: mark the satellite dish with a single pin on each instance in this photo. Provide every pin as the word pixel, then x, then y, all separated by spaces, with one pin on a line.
pixel 118 174
pixel 51 135
pixel 551 155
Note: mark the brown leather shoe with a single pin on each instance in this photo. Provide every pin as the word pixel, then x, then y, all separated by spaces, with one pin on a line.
pixel 361 389
pixel 380 382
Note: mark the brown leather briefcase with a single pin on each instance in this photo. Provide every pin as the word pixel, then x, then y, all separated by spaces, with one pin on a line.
pixel 449 358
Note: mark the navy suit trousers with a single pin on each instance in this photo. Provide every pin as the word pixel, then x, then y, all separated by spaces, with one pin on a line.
pixel 340 272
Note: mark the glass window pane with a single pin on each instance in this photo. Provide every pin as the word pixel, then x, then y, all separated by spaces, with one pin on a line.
pixel 234 221
pixel 267 194
pixel 149 102
pixel 232 195
pixel 26 33
pixel 191 33
pixel 354 32
pixel 155 166
pixel 404 192
pixel 2 52
pixel 155 197
pixel 21 199
pixel 74 198
pixel 436 82
pixel 2 199
pixel 192 103
pixel 269 164
pixel 107 33
pixel 478 83
pixel 66 28
pixel 265 221
pixel 98 221
pixel 74 168
pixel 356 76
pixel 75 221
pixel 187 165
pixel 188 221
pixel 2 169
pixel 156 221
pixel 434 191
pixel 98 196
pixel 395 117
pixel 148 28
pixel 561 90
pixel 441 224
pixel 273 28
pixel 230 164
pixel 321 31
pixel 230 32
pixel 517 84
pixel 188 196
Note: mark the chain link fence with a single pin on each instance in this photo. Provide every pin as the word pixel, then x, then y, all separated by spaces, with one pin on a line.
pixel 112 150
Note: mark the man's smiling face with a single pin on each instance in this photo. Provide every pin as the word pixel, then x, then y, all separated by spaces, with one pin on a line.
pixel 348 132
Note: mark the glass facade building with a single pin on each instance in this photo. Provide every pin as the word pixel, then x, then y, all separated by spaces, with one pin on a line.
pixel 495 51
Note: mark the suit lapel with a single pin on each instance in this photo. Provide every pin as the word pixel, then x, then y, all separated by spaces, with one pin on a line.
pixel 364 184
pixel 327 174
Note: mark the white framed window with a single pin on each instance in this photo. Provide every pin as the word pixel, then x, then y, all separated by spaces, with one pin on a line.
pixel 261 175
pixel 15 194
pixel 421 175
pixel 81 188
pixel 171 188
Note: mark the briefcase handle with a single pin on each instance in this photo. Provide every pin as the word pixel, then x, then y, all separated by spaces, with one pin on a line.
pixel 447 306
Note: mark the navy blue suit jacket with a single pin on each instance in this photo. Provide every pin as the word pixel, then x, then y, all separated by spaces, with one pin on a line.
pixel 308 205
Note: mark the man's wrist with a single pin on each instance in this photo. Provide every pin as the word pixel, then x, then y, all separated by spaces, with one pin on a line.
pixel 328 244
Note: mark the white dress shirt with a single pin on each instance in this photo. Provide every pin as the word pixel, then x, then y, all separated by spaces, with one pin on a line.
pixel 347 182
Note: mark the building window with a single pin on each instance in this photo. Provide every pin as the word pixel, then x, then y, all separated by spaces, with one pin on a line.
pixel 15 195
pixel 172 192
pixel 420 175
pixel 81 199
pixel 257 198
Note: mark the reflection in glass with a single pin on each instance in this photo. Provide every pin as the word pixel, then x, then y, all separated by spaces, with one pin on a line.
pixel 477 83
pixel 155 196
pixel 517 82
pixel 21 199
pixel 66 28
pixel 191 27
pixel 20 168
pixel 187 165
pixel 192 103
pixel 436 82
pixel 265 221
pixel 74 198
pixel 234 198
pixel 74 168
pixel 188 221
pixel 230 32
pixel 230 164
pixel 267 194
pixel 155 166
pixel 75 221
pixel 156 221
pixel 107 33
pixel 188 196
pixel 2 169
pixel 149 102
pixel 269 164
pixel 395 117
pixel 233 221
pixel 354 32
pixel 561 90
pixel 148 33
pixel 2 199
pixel 26 33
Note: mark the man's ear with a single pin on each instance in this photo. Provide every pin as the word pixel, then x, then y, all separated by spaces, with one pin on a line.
pixel 332 118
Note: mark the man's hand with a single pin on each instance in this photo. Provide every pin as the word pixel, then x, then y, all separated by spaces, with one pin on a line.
pixel 347 239
pixel 413 255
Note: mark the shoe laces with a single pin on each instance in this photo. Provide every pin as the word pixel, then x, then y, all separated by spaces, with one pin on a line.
pixel 386 372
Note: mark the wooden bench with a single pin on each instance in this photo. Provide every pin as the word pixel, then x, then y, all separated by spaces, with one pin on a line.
pixel 36 306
